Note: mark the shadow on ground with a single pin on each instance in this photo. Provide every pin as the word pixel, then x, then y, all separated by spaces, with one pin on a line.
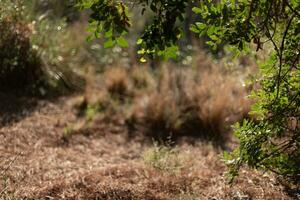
pixel 14 108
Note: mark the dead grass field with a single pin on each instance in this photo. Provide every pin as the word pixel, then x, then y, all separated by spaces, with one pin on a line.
pixel 103 162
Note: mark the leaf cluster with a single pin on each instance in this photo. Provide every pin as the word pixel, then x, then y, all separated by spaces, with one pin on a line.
pixel 110 18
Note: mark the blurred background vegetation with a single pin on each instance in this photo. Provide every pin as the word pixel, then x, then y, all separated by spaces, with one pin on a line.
pixel 201 93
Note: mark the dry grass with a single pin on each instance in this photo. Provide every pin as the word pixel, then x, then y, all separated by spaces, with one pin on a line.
pixel 120 182
pixel 106 165
pixel 199 102
pixel 117 83
pixel 141 78
pixel 196 102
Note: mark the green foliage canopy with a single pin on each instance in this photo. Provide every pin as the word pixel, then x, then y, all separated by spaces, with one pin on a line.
pixel 110 19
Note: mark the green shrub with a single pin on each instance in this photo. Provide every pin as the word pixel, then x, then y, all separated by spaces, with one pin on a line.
pixel 19 63
pixel 35 59
pixel 272 140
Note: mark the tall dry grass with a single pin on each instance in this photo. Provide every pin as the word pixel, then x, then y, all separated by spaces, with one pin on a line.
pixel 117 83
pixel 200 103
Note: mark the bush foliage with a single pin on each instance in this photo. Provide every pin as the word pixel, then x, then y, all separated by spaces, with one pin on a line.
pixel 35 58
pixel 272 141
pixel 19 63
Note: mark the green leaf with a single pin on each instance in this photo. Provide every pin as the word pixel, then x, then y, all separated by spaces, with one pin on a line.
pixel 143 60
pixel 108 34
pixel 194 29
pixel 122 42
pixel 90 38
pixel 139 41
pixel 141 51
pixel 211 30
pixel 214 37
pixel 200 25
pixel 169 52
pixel 196 10
pixel 109 43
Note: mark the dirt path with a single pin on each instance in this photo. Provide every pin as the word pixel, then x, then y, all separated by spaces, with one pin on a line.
pixel 37 163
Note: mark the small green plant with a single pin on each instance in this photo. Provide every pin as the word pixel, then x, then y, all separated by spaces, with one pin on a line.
pixel 163 157
pixel 90 112
pixel 68 131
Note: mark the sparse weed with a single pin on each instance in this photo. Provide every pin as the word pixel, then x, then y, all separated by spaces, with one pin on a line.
pixel 90 112
pixel 163 157
pixel 68 131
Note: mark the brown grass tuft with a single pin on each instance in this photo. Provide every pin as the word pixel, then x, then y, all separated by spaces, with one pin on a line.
pixel 171 101
pixel 141 78
pixel 117 82
pixel 201 103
